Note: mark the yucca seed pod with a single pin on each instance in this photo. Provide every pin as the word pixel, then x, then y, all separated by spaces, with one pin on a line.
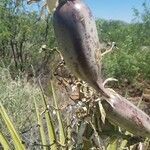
pixel 77 36
pixel 126 115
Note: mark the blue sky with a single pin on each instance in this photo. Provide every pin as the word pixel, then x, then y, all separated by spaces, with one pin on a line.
pixel 114 9
pixel 110 9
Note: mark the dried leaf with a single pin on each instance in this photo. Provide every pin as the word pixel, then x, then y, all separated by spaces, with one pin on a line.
pixel 51 4
pixel 102 112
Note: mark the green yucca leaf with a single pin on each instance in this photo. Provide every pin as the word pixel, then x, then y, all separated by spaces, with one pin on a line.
pixel 39 119
pixel 49 122
pixel 61 126
pixel 51 131
pixel 15 136
pixel 113 145
pixel 4 142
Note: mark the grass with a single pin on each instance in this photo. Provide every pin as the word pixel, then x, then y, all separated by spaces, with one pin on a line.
pixel 16 96
pixel 24 105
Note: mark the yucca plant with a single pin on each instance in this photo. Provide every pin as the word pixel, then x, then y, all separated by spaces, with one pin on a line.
pixel 16 138
pixel 63 138
pixel 48 142
pixel 118 138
